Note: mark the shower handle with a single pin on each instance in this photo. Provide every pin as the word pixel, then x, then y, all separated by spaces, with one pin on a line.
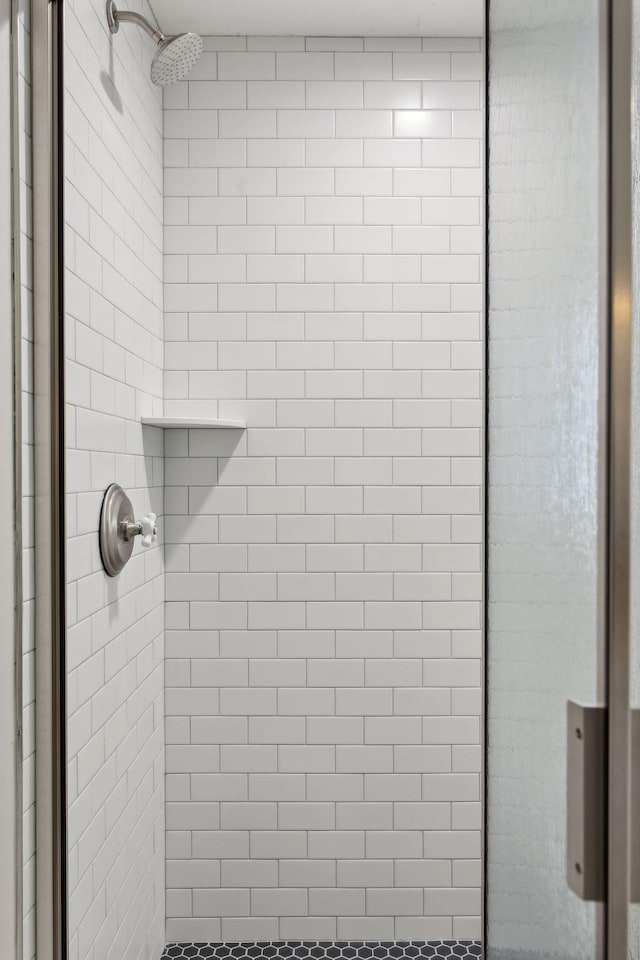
pixel 146 528
pixel 119 528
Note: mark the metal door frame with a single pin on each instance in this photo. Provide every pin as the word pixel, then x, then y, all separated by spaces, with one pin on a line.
pixel 620 318
pixel 11 593
pixel 47 44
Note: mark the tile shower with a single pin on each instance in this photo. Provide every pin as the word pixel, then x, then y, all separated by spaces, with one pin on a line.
pixel 314 603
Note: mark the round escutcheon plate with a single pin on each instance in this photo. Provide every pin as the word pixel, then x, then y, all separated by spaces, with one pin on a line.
pixel 116 511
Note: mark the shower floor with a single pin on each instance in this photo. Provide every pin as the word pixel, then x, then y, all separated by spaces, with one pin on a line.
pixel 327 950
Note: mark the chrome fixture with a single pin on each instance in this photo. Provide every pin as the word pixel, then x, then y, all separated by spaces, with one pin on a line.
pixel 174 57
pixel 118 529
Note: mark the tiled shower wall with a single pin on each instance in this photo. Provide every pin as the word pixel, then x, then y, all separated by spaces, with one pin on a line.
pixel 323 240
pixel 115 642
pixel 25 321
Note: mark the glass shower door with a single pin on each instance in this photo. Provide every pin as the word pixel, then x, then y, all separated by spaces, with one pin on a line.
pixel 547 457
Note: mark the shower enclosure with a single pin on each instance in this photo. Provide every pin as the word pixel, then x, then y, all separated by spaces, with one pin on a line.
pixel 341 324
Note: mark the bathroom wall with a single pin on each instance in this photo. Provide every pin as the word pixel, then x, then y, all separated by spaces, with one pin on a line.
pixel 115 646
pixel 546 396
pixel 323 240
pixel 24 318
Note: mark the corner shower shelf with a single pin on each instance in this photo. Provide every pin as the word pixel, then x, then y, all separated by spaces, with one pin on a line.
pixel 193 423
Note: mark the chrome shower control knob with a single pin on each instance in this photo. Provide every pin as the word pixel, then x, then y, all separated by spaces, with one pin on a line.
pixel 149 530
pixel 119 528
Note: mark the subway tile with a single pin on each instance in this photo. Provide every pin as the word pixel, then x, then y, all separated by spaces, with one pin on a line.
pixel 394 211
pixel 423 123
pixel 306 123
pixel 403 95
pixel 327 598
pixel 276 211
pixel 247 66
pixel 334 153
pixel 304 65
pixel 338 210
pixel 420 182
pixel 247 123
pixel 335 94
pixel 275 153
pixel 456 95
pixel 241 182
pixel 217 95
pixel 369 182
pixel 368 123
pixel 275 94
pixel 308 182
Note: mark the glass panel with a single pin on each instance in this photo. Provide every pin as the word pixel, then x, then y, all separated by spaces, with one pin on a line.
pixel 634 932
pixel 545 449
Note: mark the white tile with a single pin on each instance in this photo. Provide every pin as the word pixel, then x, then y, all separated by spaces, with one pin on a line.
pixel 333 268
pixel 421 66
pixel 217 153
pixel 334 153
pixel 247 66
pixel 391 210
pixel 339 210
pixel 214 211
pixel 419 182
pixel 249 239
pixel 305 123
pixel 422 123
pixel 236 296
pixel 467 66
pixel 323 282
pixel 458 95
pixel 275 94
pixel 304 66
pixel 275 153
pixel 369 123
pixel 275 43
pixel 217 95
pixel 305 182
pixel 304 239
pixel 403 95
pixel 467 182
pixel 275 210
pixel 363 239
pixel 337 94
pixel 189 124
pixel 467 123
pixel 421 239
pixel 247 123
pixel 256 181
pixel 363 66
pixel 392 43
pixel 451 153
pixel 269 268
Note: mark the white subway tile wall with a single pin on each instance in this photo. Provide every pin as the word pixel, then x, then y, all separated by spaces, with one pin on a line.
pixel 24 317
pixel 114 364
pixel 324 249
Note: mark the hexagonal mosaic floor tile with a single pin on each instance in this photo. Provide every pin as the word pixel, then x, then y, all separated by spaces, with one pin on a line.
pixel 325 950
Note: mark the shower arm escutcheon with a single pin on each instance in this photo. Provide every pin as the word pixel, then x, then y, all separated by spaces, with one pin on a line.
pixel 115 17
pixel 119 528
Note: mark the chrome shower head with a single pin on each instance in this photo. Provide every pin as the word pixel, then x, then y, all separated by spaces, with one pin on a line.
pixel 175 56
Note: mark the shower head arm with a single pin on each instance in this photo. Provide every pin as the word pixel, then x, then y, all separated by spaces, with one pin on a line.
pixel 115 17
